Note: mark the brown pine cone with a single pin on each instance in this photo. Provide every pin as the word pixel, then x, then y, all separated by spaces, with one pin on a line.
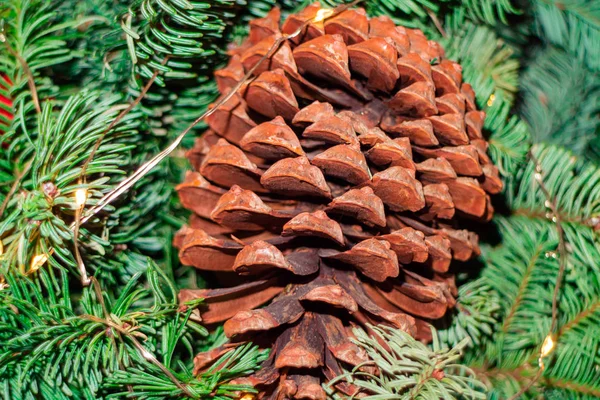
pixel 329 189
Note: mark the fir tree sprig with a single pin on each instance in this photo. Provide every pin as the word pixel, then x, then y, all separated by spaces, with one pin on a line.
pixel 474 317
pixel 54 348
pixel 408 369
pixel 553 113
pixel 525 269
pixel 573 25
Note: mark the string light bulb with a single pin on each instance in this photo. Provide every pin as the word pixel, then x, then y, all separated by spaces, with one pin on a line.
pixel 80 197
pixel 248 396
pixel 37 261
pixel 323 14
pixel 547 346
pixel 491 100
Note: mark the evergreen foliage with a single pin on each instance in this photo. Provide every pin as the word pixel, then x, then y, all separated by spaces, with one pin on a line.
pixel 68 68
pixel 56 348
pixel 573 25
pixel 407 369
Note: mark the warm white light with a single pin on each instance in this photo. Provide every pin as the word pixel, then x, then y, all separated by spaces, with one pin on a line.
pixel 547 346
pixel 322 14
pixel 147 355
pixel 80 197
pixel 38 260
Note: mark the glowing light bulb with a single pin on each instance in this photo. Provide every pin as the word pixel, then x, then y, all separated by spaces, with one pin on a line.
pixel 37 261
pixel 323 14
pixel 247 396
pixel 80 197
pixel 147 355
pixel 491 100
pixel 547 346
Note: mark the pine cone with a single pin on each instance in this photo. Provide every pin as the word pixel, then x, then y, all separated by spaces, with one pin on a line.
pixel 329 189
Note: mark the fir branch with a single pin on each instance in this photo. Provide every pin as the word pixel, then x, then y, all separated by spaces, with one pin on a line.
pixel 554 114
pixel 528 250
pixel 187 33
pixel 48 197
pixel 45 339
pixel 147 383
pixel 487 61
pixel 474 316
pixel 407 369
pixel 573 25
pixel 570 181
pixel 509 141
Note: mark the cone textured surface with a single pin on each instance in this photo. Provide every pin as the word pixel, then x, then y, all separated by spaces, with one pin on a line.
pixel 329 191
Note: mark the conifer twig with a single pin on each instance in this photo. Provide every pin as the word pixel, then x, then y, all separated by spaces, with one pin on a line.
pixel 85 281
pixel 119 117
pixel 14 186
pixel 436 22
pixel 28 73
pixel 550 341
pixel 142 350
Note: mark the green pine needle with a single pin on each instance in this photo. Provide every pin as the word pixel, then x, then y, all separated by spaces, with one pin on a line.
pixel 407 369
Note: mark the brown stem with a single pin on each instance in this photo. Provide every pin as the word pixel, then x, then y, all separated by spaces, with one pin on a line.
pixel 119 117
pixel 436 22
pixel 142 350
pixel 528 386
pixel 562 246
pixel 575 387
pixel 521 292
pixel 15 186
pixel 562 249
pixel 28 73
pixel 582 315
pixel 564 217
pixel 85 280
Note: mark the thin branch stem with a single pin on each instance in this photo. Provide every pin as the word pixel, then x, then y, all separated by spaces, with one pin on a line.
pixel 15 186
pixel 119 117
pixel 525 388
pixel 28 73
pixel 562 246
pixel 142 350
pixel 436 22
pixel 85 280
pixel 562 257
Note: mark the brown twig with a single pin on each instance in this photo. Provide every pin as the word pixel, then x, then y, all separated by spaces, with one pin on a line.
pixel 562 257
pixel 28 73
pixel 15 186
pixel 532 382
pixel 142 350
pixel 85 281
pixel 436 22
pixel 119 117
pixel 562 246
